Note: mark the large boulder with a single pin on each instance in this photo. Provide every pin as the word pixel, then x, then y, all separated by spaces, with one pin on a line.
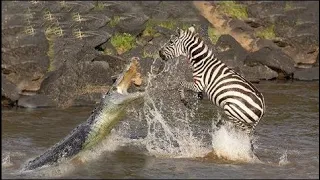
pixel 263 9
pixel 230 51
pixel 25 60
pixel 9 91
pixel 275 59
pixel 132 24
pixel 74 79
pixel 304 49
pixel 257 73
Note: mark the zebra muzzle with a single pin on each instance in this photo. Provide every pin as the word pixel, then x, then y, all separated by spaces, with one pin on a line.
pixel 163 57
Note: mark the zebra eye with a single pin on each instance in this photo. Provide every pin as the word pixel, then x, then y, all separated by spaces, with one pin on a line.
pixel 170 41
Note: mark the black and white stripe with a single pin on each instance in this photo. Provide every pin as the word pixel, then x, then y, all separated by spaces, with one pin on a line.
pixel 240 100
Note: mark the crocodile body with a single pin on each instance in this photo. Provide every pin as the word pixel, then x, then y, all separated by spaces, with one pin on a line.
pixel 109 112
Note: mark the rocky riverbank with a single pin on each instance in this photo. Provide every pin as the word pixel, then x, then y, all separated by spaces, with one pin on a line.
pixel 65 53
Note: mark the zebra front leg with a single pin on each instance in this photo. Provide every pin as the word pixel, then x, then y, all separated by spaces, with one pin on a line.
pixel 183 98
pixel 190 86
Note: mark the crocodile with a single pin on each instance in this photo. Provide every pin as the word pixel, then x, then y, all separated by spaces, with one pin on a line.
pixel 103 118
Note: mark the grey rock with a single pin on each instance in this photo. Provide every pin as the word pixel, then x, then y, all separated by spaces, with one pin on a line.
pixel 240 26
pixel 36 101
pixel 89 99
pixel 230 51
pixel 91 22
pixel 74 79
pixel 307 74
pixel 284 26
pixel 303 48
pixel 259 72
pixel 9 90
pixel 273 58
pixel 26 66
pixel 316 64
pixel 266 43
pixel 265 8
pixel 132 23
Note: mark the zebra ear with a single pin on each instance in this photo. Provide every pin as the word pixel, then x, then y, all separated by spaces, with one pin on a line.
pixel 179 31
pixel 192 29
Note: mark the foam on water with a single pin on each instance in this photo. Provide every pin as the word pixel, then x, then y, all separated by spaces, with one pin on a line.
pixel 283 160
pixel 6 161
pixel 230 144
pixel 166 141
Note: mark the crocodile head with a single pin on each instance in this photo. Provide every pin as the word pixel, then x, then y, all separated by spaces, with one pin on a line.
pixel 118 93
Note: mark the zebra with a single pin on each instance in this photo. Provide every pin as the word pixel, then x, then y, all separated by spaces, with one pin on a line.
pixel 242 102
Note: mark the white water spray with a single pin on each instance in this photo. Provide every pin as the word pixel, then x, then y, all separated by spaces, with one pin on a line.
pixel 231 144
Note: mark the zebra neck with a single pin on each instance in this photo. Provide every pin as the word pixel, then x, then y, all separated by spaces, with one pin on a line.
pixel 199 53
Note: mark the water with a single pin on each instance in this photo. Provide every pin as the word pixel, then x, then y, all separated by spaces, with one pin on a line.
pixel 163 139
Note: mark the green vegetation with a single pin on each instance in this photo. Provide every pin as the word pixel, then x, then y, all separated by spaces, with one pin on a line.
pixel 185 26
pixel 288 6
pixel 108 51
pixel 149 30
pixel 123 42
pixel 213 35
pixel 147 54
pixel 99 6
pixel 267 33
pixel 233 9
pixel 114 21
pixel 169 24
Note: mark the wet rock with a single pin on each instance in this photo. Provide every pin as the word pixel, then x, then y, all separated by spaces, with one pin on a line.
pixel 149 7
pixel 90 23
pixel 36 101
pixel 174 10
pixel 316 64
pixel 273 58
pixel 307 74
pixel 132 23
pixel 72 80
pixel 257 73
pixel 253 22
pixel 303 49
pixel 261 43
pixel 230 51
pixel 283 26
pixel 89 99
pixel 26 66
pixel 240 26
pixel 263 9
pixel 9 91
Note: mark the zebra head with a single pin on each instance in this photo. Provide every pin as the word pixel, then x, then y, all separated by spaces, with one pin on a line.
pixel 175 47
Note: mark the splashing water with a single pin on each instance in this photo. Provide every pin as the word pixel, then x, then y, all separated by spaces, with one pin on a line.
pixel 231 144
pixel 166 141
pixel 283 160
pixel 6 161
pixel 169 130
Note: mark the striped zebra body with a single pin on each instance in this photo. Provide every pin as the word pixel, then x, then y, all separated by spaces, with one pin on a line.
pixel 241 101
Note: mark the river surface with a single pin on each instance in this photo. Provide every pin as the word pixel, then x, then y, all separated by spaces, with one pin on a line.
pixel 286 142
